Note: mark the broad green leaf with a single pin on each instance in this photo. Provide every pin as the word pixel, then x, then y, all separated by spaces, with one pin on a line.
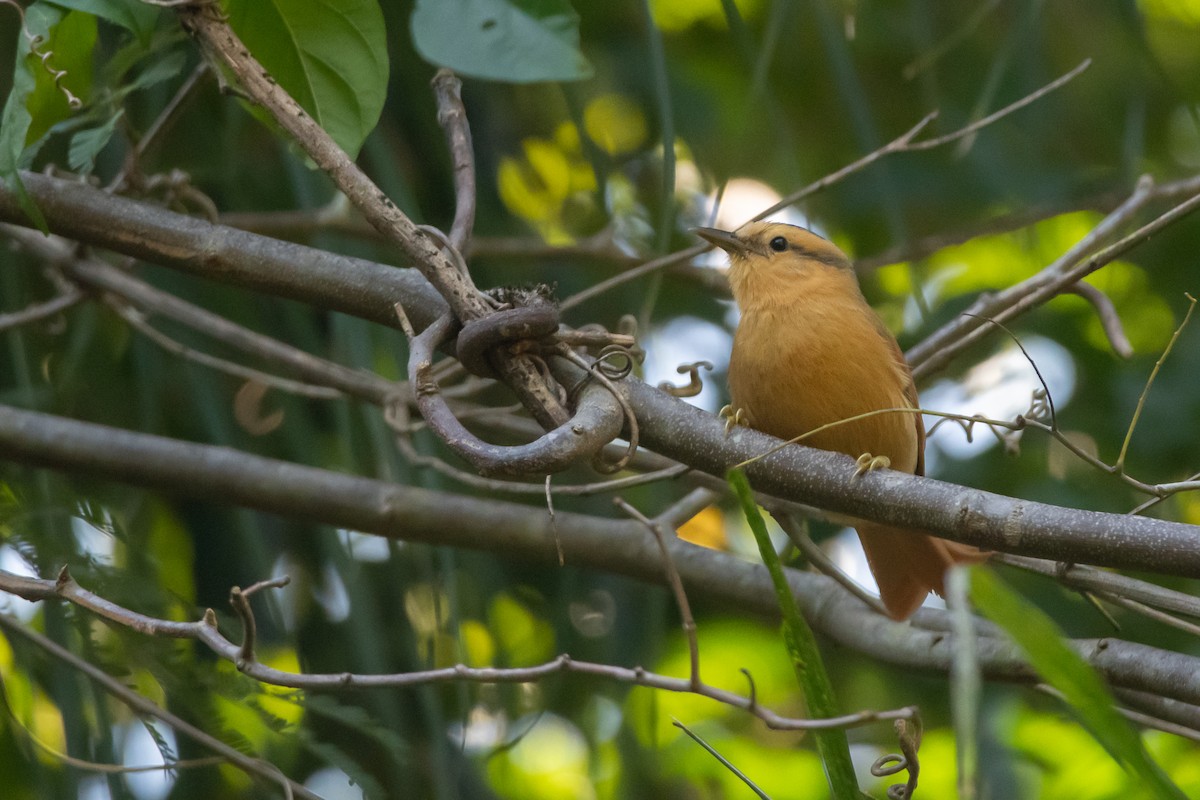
pixel 1061 667
pixel 519 41
pixel 133 15
pixel 330 55
pixel 87 144
pixel 160 69
pixel 17 121
pixel 832 745
pixel 70 43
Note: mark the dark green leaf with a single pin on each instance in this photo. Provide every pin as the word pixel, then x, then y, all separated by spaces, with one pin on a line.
pixel 330 55
pixel 87 144
pixel 16 119
pixel 160 69
pixel 520 41
pixel 133 15
pixel 70 42
pixel 1061 667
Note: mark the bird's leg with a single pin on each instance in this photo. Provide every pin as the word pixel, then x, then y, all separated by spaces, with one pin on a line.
pixel 732 416
pixel 869 463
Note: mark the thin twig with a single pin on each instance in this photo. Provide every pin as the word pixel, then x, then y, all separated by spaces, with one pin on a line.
pixel 943 345
pixel 687 507
pixel 138 321
pixel 206 632
pixel 961 133
pixel 453 119
pixel 143 705
pixel 1137 413
pixel 1150 612
pixel 94 766
pixel 676 584
pixel 36 312
pixel 241 606
pixel 1078 576
pixel 1145 720
pixel 903 143
pixel 816 556
pixel 1036 371
pixel 1019 424
pixel 162 123
pixel 105 278
pixel 720 758
pixel 554 523
pixel 1106 312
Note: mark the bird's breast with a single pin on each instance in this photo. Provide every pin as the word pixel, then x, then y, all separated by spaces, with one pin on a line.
pixel 794 370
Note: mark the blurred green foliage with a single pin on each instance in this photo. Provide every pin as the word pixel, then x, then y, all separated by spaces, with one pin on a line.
pixel 780 91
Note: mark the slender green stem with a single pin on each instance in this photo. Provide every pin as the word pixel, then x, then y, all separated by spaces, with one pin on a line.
pixel 1137 413
pixel 832 745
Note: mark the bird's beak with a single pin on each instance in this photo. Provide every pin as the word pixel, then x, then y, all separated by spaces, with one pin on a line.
pixel 727 241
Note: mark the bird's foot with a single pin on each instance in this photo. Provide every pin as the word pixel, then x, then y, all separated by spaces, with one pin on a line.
pixel 732 416
pixel 869 463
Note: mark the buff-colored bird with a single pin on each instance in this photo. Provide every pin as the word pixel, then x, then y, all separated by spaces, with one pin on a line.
pixel 809 351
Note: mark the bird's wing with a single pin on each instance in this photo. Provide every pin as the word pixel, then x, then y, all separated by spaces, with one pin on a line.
pixel 910 392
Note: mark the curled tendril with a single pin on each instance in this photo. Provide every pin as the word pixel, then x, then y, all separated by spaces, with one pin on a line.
pixel 605 373
pixel 695 383
pixel 889 764
pixel 614 362
pixel 893 763
pixel 58 74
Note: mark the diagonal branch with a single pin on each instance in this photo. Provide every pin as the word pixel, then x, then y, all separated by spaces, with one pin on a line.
pixel 1084 258
pixel 455 285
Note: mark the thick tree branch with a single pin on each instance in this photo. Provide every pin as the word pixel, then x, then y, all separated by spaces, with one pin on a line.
pixel 325 280
pixel 995 522
pixel 228 476
pixel 668 426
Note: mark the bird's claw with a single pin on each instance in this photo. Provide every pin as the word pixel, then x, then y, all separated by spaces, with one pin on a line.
pixel 732 416
pixel 869 463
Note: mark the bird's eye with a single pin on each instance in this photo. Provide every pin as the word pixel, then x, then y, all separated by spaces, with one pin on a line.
pixel 779 244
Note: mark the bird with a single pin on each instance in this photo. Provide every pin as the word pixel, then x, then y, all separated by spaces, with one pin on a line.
pixel 809 351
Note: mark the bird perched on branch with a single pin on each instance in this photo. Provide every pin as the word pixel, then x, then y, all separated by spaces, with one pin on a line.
pixel 810 351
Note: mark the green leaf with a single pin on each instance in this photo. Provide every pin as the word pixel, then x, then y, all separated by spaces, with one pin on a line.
pixel 1063 668
pixel 17 119
pixel 832 744
pixel 70 43
pixel 519 41
pixel 133 15
pixel 160 69
pixel 87 144
pixel 330 55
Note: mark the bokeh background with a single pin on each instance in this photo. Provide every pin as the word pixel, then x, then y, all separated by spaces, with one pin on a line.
pixel 683 113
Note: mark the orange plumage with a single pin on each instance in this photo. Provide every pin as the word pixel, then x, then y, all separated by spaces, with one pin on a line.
pixel 809 351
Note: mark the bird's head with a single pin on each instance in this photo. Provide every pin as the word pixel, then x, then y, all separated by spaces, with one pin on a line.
pixel 766 257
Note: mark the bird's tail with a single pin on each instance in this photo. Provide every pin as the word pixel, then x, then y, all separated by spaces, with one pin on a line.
pixel 909 565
